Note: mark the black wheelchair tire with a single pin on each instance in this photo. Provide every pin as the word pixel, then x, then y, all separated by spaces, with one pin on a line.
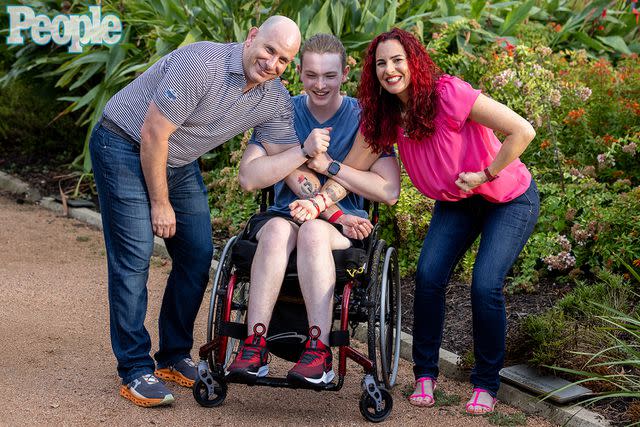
pixel 201 393
pixel 368 406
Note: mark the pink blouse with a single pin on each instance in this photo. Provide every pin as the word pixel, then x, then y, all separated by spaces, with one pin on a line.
pixel 458 145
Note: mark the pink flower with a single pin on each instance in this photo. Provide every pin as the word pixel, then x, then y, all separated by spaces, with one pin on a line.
pixel 630 148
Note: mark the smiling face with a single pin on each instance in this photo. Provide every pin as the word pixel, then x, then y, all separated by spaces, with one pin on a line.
pixel 268 52
pixel 322 75
pixel 392 69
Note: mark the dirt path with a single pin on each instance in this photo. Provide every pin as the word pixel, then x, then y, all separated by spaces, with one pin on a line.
pixel 56 364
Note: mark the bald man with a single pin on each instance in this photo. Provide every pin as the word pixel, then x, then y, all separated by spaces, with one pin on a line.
pixel 144 152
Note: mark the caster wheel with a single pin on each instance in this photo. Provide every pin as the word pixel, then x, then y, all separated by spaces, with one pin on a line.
pixel 206 399
pixel 368 406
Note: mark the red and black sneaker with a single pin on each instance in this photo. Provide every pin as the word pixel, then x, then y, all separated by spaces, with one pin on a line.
pixel 316 363
pixel 252 359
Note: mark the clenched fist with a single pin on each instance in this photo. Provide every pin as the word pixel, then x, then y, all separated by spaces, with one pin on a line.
pixel 317 142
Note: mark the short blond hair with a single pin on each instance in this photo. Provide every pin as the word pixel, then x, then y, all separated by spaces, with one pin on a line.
pixel 324 43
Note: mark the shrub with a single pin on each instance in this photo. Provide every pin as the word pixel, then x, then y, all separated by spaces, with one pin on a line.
pixel 31 134
pixel 573 327
pixel 546 336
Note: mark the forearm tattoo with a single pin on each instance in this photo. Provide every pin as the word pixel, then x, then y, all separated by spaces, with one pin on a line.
pixel 307 189
pixel 335 191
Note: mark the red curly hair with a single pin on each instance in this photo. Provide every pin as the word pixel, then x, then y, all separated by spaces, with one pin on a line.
pixel 381 111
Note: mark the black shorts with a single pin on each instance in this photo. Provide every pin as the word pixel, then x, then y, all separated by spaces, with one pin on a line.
pixel 260 219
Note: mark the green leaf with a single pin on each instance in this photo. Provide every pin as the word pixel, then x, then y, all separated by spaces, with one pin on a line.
pixel 87 98
pixel 589 42
pixel 320 22
pixel 389 18
pixel 477 6
pixel 515 17
pixel 237 32
pixel 617 43
pixel 191 37
pixel 86 75
pixel 338 12
pixel 447 7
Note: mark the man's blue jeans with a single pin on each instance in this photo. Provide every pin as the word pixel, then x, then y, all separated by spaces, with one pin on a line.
pixel 505 228
pixel 126 220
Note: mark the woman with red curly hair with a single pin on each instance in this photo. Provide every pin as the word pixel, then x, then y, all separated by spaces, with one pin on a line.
pixel 444 131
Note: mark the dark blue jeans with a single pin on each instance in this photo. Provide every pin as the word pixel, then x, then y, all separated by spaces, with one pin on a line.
pixel 504 229
pixel 126 220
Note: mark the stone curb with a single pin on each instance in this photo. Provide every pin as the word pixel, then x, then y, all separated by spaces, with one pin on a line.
pixel 569 416
pixel 19 188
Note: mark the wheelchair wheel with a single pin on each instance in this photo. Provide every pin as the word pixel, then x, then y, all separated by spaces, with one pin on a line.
pixel 384 323
pixel 390 318
pixel 204 397
pixel 369 410
pixel 217 303
pixel 220 282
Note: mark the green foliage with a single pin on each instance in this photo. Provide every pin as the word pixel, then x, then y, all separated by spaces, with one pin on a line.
pixel 231 207
pixel 445 399
pixel 581 231
pixel 613 369
pixel 406 224
pixel 563 335
pixel 546 335
pixel 500 419
pixel 611 290
pixel 29 135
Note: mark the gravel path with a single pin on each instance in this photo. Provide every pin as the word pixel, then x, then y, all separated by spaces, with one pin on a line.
pixel 57 367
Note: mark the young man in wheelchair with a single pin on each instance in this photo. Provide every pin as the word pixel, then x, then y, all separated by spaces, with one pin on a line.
pixel 309 181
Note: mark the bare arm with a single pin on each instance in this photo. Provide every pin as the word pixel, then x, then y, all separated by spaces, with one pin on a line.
pixel 259 170
pixel 519 133
pixel 154 152
pixel 363 173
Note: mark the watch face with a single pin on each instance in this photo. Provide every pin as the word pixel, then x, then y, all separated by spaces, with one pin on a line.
pixel 334 168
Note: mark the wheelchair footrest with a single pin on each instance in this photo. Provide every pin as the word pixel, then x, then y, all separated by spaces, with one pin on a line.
pixel 282 383
pixel 339 338
pixel 233 330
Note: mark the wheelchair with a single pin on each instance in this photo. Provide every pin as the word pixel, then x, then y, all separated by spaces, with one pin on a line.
pixel 367 291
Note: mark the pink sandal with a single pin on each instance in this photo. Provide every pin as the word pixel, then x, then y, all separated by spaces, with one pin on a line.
pixel 413 399
pixel 473 403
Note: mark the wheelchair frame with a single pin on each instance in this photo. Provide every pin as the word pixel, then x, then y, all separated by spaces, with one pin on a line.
pixel 377 302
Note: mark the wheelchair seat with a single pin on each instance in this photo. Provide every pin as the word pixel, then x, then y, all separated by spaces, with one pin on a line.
pixel 349 262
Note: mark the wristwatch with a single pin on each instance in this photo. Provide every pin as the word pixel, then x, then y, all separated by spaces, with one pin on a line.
pixel 334 168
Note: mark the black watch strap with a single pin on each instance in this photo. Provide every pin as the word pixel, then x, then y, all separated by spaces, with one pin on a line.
pixel 304 152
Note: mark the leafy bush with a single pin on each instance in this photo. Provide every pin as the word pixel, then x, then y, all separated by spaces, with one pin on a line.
pixel 564 333
pixel 546 336
pixel 231 207
pixel 29 133
pixel 406 223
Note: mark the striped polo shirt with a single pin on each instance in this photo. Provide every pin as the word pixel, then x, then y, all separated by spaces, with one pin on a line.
pixel 199 88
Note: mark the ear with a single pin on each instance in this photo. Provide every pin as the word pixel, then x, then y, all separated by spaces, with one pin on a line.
pixel 345 74
pixel 253 32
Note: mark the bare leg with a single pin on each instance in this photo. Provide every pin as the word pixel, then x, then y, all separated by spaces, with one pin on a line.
pixel 276 241
pixel 317 272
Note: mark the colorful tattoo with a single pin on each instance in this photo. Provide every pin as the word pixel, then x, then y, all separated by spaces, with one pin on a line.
pixel 307 188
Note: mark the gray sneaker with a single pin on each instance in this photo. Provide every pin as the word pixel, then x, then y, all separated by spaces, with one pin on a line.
pixel 147 391
pixel 183 372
